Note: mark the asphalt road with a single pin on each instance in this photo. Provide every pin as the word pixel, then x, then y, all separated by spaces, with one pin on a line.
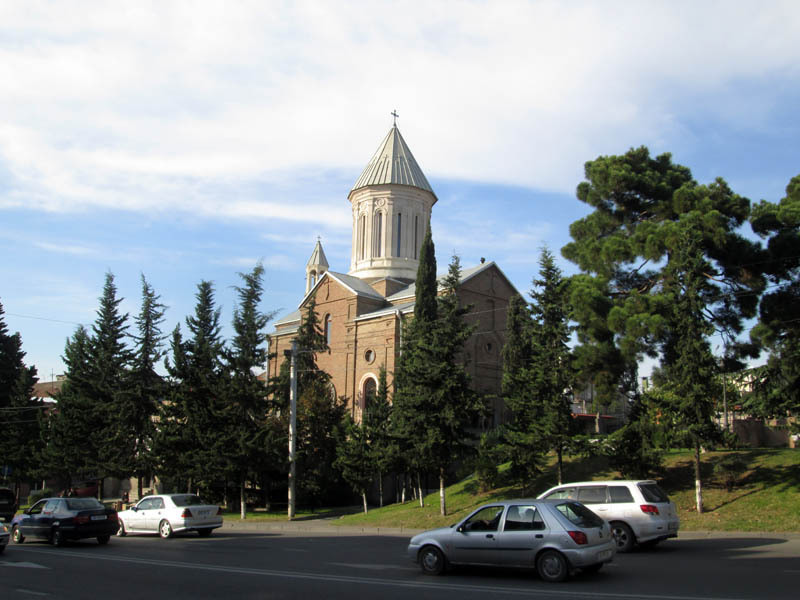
pixel 301 564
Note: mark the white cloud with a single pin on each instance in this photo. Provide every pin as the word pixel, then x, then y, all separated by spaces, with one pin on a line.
pixel 155 105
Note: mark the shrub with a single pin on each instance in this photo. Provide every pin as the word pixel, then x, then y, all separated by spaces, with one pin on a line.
pixel 729 469
pixel 37 495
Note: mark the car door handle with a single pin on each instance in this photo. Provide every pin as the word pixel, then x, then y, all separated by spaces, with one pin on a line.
pixel 490 536
pixel 539 535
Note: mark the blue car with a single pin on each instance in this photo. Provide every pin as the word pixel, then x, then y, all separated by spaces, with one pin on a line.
pixel 60 519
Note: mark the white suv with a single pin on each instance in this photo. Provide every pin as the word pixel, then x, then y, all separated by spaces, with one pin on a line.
pixel 639 511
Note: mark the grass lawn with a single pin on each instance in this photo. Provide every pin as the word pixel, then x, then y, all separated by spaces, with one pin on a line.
pixel 766 496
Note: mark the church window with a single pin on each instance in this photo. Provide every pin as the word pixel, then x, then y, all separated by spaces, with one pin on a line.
pixel 399 232
pixel 370 391
pixel 327 330
pixel 369 355
pixel 377 232
pixel 416 236
pixel 362 222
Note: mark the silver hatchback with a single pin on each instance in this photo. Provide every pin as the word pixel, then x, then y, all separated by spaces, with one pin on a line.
pixel 552 536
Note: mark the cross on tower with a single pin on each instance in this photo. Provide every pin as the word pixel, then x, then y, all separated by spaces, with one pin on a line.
pixel 395 115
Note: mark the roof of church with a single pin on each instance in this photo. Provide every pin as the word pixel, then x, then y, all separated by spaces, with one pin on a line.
pixel 393 163
pixel 466 275
pixel 318 256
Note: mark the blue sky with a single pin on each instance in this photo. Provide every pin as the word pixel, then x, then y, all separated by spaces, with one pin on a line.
pixel 187 140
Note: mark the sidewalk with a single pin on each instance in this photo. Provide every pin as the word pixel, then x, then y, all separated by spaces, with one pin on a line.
pixel 326 526
pixel 321 525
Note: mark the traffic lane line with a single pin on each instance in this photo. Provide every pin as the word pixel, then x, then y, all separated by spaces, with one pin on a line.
pixel 492 588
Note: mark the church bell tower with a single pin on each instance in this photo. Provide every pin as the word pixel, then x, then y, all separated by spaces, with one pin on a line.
pixel 391 204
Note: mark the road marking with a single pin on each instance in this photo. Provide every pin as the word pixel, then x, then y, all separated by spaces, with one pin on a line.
pixel 373 567
pixel 492 587
pixel 27 565
pixel 31 592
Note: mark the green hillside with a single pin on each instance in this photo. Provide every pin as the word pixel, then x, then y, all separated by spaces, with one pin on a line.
pixel 765 496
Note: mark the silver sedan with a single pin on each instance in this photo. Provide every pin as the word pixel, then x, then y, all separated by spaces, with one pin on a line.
pixel 167 514
pixel 552 536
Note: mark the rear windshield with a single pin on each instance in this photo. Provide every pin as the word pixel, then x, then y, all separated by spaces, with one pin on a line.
pixel 653 493
pixel 579 515
pixel 83 503
pixel 188 500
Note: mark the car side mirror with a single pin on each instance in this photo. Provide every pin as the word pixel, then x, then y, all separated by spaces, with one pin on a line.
pixel 134 508
pixel 460 529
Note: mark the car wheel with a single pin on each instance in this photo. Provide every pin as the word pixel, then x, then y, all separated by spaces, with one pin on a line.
pixel 552 566
pixel 103 539
pixel 592 568
pixel 431 560
pixel 121 531
pixel 623 536
pixel 204 532
pixel 57 538
pixel 16 535
pixel 165 529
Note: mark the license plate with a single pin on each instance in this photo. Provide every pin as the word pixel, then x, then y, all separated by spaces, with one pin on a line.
pixel 99 517
pixel 604 555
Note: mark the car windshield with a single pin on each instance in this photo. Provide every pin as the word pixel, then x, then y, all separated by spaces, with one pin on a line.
pixel 579 515
pixel 83 503
pixel 653 493
pixel 188 500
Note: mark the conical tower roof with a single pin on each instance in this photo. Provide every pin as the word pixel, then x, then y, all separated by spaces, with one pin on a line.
pixel 318 256
pixel 393 163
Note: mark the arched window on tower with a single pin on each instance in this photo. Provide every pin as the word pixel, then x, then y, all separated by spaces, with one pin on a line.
pixel 398 233
pixel 362 222
pixel 377 235
pixel 416 237
pixel 369 392
pixel 327 329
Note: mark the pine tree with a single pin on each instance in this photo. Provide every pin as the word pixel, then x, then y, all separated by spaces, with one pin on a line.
pixel 642 208
pixel 21 415
pixel 139 406
pixel 320 415
pixel 777 388
pixel 108 387
pixel 434 406
pixel 190 415
pixel 354 459
pixel 552 370
pixel 520 435
pixel 246 411
pixel 377 423
pixel 70 437
pixel 689 366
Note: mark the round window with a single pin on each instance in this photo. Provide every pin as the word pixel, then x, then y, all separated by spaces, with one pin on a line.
pixel 369 355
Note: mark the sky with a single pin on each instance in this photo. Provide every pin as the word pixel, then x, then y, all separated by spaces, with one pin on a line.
pixel 185 141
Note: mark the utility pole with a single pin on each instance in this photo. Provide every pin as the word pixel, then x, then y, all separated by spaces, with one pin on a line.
pixel 292 354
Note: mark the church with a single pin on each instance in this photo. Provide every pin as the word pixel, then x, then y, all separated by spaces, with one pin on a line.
pixel 363 310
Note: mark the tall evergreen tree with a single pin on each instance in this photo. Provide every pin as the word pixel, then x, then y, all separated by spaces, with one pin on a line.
pixel 190 419
pixel 689 366
pixel 642 207
pixel 777 389
pixel 377 423
pixel 354 459
pixel 434 406
pixel 520 435
pixel 138 407
pixel 320 413
pixel 247 406
pixel 108 388
pixel 70 436
pixel 20 413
